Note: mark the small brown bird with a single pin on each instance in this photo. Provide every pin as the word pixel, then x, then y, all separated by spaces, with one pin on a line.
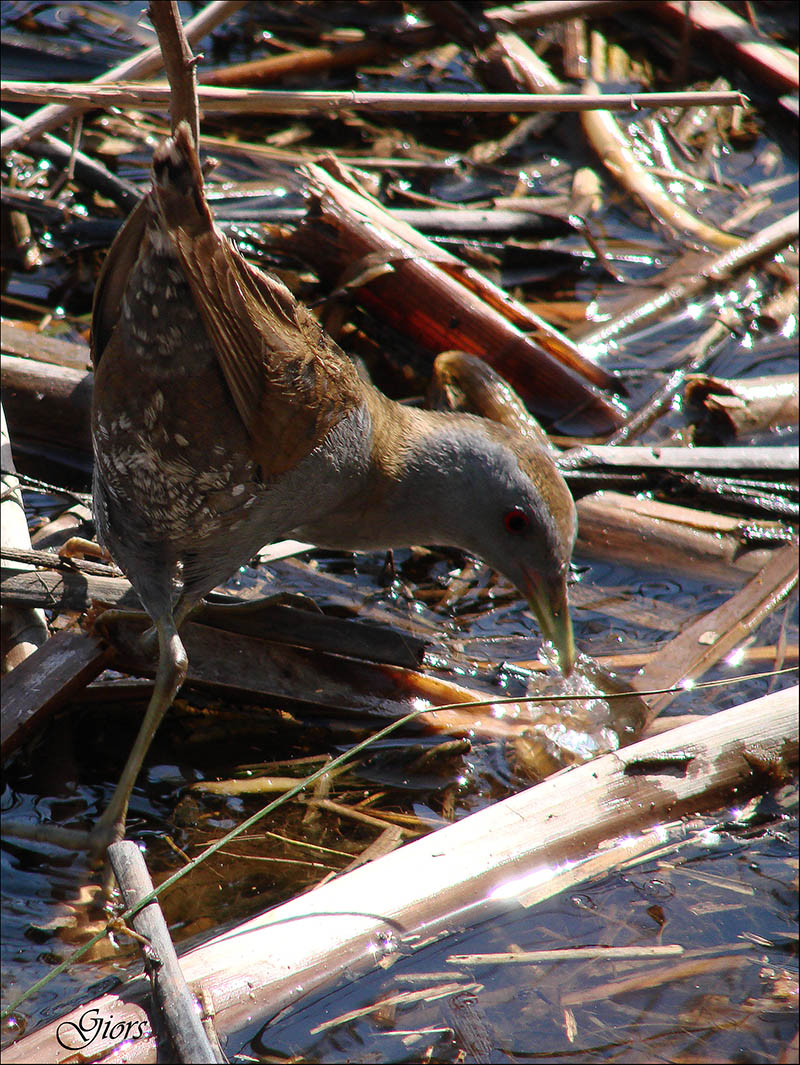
pixel 224 417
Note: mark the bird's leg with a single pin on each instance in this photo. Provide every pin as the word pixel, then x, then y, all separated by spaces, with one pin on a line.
pixel 149 639
pixel 185 606
pixel 172 665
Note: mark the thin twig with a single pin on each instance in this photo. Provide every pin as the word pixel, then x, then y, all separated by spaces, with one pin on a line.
pixel 179 65
pixel 86 95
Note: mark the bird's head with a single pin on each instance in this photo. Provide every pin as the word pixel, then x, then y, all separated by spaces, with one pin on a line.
pixel 520 518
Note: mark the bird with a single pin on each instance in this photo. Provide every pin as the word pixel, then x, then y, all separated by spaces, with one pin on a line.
pixel 224 417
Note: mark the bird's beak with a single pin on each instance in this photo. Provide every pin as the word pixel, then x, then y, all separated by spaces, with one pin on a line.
pixel 548 600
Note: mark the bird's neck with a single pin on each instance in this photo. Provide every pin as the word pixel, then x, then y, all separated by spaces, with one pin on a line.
pixel 416 469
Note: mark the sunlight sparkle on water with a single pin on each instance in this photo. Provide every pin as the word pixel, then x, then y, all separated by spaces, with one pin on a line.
pixel 503 710
pixel 594 314
pixel 595 352
pixel 736 657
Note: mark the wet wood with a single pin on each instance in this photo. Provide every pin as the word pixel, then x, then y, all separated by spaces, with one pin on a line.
pixel 669 538
pixel 24 628
pixel 59 561
pixel 302 946
pixel 529 71
pixel 243 667
pixel 47 680
pixel 90 172
pixel 421 299
pixel 54 533
pixel 533 13
pixel 308 628
pixel 740 408
pixel 47 402
pixel 65 591
pixel 654 977
pixel 387 241
pixel 473 1033
pixel 694 356
pixel 309 61
pixel 532 957
pixel 711 271
pixel 748 461
pixel 729 32
pixel 29 344
pixel 306 61
pixel 494 221
pixel 711 637
pixel 613 146
pixel 389 840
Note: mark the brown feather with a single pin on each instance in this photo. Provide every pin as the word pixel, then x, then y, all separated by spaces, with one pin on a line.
pixel 114 278
pixel 290 383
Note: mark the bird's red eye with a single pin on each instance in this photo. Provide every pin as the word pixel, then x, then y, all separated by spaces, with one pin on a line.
pixel 516 521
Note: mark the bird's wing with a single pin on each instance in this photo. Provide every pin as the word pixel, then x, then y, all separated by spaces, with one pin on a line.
pixel 289 381
pixel 113 278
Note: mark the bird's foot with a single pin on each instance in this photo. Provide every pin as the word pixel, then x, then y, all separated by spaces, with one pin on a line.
pixel 108 830
pixel 80 547
pixel 68 838
pixel 95 842
pixel 103 624
pixel 217 612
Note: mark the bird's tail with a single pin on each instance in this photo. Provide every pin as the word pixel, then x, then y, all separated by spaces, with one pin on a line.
pixel 178 184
